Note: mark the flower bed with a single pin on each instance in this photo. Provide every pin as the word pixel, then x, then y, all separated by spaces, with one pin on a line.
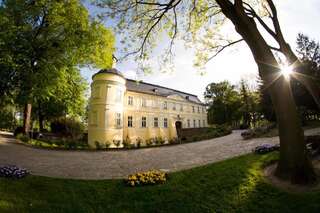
pixel 151 177
pixel 265 148
pixel 13 172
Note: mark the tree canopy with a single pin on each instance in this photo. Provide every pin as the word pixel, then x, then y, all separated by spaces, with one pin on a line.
pixel 43 43
pixel 141 24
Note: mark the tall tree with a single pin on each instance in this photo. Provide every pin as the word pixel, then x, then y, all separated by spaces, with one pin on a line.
pixel 246 106
pixel 42 39
pixel 68 98
pixel 198 22
pixel 224 103
pixel 309 53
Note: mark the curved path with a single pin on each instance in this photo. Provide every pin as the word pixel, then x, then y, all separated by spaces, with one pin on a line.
pixel 118 164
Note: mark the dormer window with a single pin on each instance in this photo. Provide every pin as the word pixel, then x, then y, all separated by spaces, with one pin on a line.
pixel 155 90
pixel 187 97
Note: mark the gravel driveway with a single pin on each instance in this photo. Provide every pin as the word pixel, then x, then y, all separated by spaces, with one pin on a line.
pixel 118 164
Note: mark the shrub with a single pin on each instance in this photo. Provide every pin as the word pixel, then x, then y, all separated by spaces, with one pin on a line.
pixel 18 130
pixel 107 144
pixel 7 118
pixel 117 143
pixel 258 131
pixel 70 144
pixel 195 138
pixel 139 142
pixel 161 140
pixel 265 148
pixel 98 145
pixel 149 141
pixel 151 177
pixel 68 127
pixel 126 142
pixel 174 141
pixel 23 138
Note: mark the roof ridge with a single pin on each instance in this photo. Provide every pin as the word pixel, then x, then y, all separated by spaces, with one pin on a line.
pixel 161 87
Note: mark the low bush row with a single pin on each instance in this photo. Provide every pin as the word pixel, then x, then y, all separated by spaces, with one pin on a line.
pixel 257 132
pixel 205 133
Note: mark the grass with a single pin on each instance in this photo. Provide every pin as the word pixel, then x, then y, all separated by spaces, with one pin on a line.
pixel 234 185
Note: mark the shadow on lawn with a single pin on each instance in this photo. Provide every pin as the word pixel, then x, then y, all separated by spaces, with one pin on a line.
pixel 234 185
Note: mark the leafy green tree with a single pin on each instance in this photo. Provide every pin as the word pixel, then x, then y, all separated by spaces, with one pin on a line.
pixel 246 103
pixel 41 41
pixel 309 53
pixel 250 104
pixel 224 103
pixel 68 99
pixel 198 23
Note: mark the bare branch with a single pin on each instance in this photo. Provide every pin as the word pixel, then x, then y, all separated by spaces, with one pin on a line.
pixel 275 48
pixel 220 48
pixel 264 25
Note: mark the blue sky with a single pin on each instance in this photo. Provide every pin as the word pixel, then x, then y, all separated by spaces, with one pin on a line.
pixel 233 64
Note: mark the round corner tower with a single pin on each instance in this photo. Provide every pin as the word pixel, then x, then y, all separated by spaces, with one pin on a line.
pixel 105 125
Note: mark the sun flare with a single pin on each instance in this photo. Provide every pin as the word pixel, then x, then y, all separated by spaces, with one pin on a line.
pixel 286 71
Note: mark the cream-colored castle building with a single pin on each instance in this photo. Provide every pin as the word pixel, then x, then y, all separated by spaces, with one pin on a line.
pixel 121 108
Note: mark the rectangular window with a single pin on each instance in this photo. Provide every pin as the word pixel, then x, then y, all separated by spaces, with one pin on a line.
pixel 165 105
pixel 204 123
pixel 130 100
pixel 192 108
pixel 181 107
pixel 199 123
pixel 118 96
pixel 194 124
pixel 203 110
pixel 155 122
pixel 173 106
pixel 129 121
pixel 118 119
pixel 143 122
pixel 143 102
pixel 165 122
pixel 188 121
pixel 198 109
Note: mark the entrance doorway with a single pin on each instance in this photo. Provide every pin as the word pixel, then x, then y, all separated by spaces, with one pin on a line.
pixel 178 128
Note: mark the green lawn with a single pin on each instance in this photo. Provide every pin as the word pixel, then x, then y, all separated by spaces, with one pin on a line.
pixel 234 185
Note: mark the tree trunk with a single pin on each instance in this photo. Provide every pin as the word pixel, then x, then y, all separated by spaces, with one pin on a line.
pixel 294 164
pixel 40 117
pixel 27 118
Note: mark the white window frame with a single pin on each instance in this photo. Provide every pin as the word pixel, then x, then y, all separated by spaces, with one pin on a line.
pixel 165 122
pixel 118 119
pixel 155 122
pixel 144 122
pixel 130 121
pixel 130 100
pixel 118 98
pixel 165 105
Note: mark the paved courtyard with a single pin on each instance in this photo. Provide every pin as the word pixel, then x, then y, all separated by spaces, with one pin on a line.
pixel 118 164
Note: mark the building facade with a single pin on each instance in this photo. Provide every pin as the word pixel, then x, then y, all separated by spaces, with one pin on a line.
pixel 121 108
